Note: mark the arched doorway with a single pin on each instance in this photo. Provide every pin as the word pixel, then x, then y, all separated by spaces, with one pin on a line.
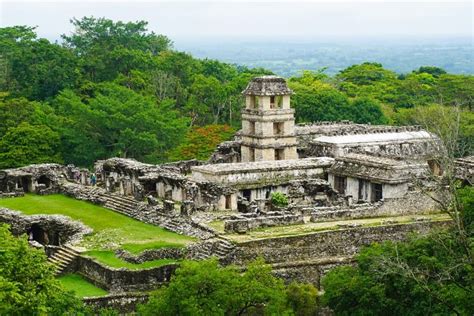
pixel 44 180
pixel 38 234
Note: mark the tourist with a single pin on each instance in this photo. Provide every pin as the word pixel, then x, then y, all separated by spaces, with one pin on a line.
pixel 77 176
pixel 93 179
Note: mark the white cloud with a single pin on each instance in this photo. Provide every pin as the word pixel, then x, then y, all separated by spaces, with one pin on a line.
pixel 265 18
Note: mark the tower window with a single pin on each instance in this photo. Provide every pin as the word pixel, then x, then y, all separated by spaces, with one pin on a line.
pixel 251 102
pixel 252 128
pixel 251 154
pixel 272 102
pixel 278 128
pixel 279 154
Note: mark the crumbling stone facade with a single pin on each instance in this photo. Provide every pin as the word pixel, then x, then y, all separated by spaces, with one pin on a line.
pixel 40 179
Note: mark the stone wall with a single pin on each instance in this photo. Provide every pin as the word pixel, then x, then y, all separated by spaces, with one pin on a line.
pixel 123 303
pixel 406 144
pixel 309 271
pixel 123 280
pixel 152 254
pixel 411 203
pixel 326 244
pixel 242 224
pixel 464 169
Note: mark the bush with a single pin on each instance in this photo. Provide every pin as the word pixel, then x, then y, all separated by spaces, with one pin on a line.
pixel 279 199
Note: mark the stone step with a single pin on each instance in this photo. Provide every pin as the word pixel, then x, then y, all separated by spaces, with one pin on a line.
pixel 120 198
pixel 220 253
pixel 62 257
pixel 118 202
pixel 66 251
pixel 71 250
pixel 123 204
pixel 119 208
pixel 226 246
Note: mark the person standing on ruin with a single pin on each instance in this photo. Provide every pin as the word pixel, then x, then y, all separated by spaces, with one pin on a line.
pixel 93 179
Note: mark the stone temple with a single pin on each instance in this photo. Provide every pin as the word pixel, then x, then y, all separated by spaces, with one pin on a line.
pixel 347 185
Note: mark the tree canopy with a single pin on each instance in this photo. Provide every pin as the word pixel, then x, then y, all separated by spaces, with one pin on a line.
pixel 114 88
pixel 27 282
pixel 203 288
pixel 427 275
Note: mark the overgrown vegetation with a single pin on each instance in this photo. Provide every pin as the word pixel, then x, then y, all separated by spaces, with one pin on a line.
pixel 279 199
pixel 204 288
pixel 116 89
pixel 27 283
pixel 427 275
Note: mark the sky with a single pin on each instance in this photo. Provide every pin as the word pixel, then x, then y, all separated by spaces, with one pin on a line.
pixel 271 20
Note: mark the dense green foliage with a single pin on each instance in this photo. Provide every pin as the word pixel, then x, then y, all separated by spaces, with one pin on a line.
pixel 116 89
pixel 368 93
pixel 279 199
pixel 204 288
pixel 27 283
pixel 200 142
pixel 110 89
pixel 428 275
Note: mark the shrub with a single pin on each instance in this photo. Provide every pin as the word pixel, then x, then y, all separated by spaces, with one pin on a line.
pixel 279 199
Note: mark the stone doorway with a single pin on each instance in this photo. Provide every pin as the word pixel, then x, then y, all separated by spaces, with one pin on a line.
pixel 26 184
pixel 38 234
pixel 44 180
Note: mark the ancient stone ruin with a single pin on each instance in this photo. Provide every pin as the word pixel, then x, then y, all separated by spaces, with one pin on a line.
pixel 328 171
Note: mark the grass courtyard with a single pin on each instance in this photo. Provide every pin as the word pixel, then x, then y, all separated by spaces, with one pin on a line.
pixel 309 227
pixel 80 286
pixel 112 230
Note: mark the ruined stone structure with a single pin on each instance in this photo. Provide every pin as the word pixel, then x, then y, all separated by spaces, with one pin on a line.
pixel 40 179
pixel 267 121
pixel 331 172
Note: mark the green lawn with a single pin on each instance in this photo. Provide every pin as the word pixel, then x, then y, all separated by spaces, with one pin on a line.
pixel 108 258
pixel 111 229
pixel 81 287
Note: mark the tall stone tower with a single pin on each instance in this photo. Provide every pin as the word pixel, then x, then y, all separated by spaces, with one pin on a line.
pixel 268 123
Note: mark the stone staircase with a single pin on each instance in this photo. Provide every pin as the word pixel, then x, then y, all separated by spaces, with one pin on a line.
pixel 174 225
pixel 62 258
pixel 223 247
pixel 121 204
pixel 185 226
pixel 216 247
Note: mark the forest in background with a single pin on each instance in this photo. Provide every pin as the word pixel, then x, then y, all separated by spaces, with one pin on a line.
pixel 286 56
pixel 116 89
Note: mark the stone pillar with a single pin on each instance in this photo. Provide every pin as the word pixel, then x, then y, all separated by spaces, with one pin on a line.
pixel 286 102
pixel 265 103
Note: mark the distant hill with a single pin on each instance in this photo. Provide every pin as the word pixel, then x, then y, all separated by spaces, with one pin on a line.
pixel 289 57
